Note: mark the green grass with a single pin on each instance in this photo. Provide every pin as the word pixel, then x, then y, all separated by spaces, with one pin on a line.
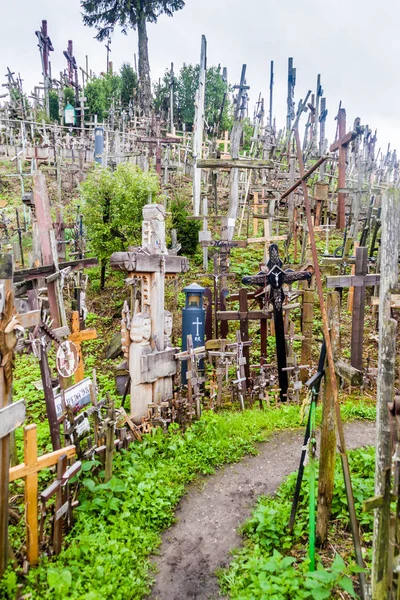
pixel 119 524
pixel 273 563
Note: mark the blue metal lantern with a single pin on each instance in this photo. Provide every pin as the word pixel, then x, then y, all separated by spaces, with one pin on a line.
pixel 193 321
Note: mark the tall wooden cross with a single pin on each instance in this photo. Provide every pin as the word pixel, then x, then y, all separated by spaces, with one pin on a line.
pixel 77 336
pixel 29 470
pixel 341 145
pixel 360 280
pixel 151 263
pixel 45 47
pixel 72 68
pixel 273 279
pixel 157 140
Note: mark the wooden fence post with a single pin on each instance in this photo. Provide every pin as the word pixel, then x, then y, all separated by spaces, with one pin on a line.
pixel 385 392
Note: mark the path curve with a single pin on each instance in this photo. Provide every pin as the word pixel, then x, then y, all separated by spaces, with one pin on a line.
pixel 214 507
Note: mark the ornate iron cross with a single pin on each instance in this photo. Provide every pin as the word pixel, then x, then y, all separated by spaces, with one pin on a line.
pixel 274 277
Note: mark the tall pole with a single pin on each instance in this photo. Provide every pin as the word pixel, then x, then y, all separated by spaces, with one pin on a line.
pixel 385 392
pixel 199 126
pixel 329 352
pixel 171 100
pixel 271 91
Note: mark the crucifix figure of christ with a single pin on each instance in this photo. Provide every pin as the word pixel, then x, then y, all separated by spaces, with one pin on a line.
pixel 157 140
pixel 341 145
pixel 45 47
pixel 272 279
pixel 155 365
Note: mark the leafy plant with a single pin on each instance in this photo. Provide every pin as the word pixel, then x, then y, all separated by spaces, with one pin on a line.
pixel 187 230
pixel 112 207
pixel 269 565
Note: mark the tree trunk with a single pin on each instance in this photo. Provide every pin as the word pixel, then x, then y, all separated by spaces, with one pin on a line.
pixel 103 275
pixel 144 67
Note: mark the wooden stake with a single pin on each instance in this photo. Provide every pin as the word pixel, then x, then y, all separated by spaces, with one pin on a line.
pixel 385 392
pixel 6 303
pixel 331 364
pixel 328 434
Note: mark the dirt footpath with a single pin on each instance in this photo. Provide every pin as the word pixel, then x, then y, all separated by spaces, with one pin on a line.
pixel 214 507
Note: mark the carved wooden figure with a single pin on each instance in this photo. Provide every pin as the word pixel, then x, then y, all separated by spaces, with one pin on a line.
pixel 150 264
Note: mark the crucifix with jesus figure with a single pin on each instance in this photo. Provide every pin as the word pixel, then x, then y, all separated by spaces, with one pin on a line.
pixel 272 279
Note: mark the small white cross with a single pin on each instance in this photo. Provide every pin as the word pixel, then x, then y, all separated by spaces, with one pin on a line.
pixel 197 323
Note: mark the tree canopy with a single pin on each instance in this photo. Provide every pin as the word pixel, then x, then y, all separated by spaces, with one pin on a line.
pixel 105 15
pixel 112 203
pixel 185 87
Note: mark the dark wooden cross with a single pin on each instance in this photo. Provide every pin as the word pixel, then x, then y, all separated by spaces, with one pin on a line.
pixel 273 279
pixel 157 140
pixel 360 280
pixel 45 47
pixel 63 503
pixel 72 68
pixel 341 145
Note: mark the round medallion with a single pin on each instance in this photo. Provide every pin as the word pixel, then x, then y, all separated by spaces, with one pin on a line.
pixel 67 359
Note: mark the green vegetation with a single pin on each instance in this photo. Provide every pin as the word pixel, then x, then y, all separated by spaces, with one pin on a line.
pixel 185 87
pixel 273 562
pixel 119 523
pixel 187 230
pixel 112 207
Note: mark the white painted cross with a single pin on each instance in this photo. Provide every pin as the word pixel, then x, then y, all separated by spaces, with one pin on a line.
pixel 197 323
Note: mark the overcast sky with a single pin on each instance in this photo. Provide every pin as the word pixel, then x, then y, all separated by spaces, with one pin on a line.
pixel 354 44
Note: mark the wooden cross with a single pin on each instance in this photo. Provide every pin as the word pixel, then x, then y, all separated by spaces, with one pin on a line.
pixel 63 504
pixel 359 281
pixel 240 381
pixel 193 356
pixel 158 140
pixel 217 349
pixel 341 145
pixel 72 68
pixel 274 278
pixel 77 336
pixel 45 46
pixel 244 315
pixel 29 470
